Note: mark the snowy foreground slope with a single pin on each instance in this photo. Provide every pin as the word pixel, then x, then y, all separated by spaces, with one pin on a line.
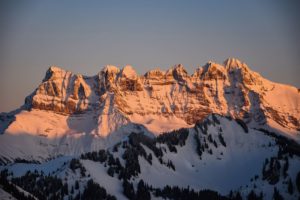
pixel 219 154
pixel 220 133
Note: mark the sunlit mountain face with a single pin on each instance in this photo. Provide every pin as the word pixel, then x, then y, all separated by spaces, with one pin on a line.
pixel 223 132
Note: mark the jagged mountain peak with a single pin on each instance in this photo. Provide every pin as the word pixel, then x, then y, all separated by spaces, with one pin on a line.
pixel 55 68
pixel 178 72
pixel 107 75
pixel 110 69
pixel 210 71
pixel 54 72
pixel 179 68
pixel 154 74
pixel 213 66
pixel 128 72
pixel 234 63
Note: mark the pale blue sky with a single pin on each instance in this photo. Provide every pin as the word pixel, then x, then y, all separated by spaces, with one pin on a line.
pixel 83 36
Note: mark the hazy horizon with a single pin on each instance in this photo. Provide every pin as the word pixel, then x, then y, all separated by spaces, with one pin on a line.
pixel 83 38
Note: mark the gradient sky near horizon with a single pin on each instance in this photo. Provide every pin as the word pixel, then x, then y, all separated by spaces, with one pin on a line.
pixel 84 36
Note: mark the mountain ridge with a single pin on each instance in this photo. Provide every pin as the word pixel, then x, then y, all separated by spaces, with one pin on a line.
pixel 71 109
pixel 213 84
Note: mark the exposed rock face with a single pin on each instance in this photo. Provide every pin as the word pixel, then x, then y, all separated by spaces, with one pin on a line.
pixel 61 91
pixel 128 80
pixel 107 78
pixel 231 89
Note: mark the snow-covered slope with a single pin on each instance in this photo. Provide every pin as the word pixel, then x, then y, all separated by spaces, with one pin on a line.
pixel 219 154
pixel 6 196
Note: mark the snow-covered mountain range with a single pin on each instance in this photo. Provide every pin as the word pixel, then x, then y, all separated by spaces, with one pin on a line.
pixel 202 131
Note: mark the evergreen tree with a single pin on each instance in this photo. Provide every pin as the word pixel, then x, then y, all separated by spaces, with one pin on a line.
pixel 298 181
pixel 252 196
pixel 199 147
pixel 290 186
pixel 128 189
pixel 76 185
pixel 237 196
pixel 221 139
pixel 65 189
pixel 93 191
pixel 111 171
pixel 142 191
pixel 277 195
pixel 286 167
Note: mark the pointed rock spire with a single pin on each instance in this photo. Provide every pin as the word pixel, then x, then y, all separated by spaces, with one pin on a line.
pixel 110 69
pixel 234 63
pixel 210 70
pixel 178 72
pixel 108 72
pixel 53 72
pixel 129 72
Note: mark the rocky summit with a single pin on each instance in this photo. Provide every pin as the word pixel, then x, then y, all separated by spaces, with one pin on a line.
pixel 231 89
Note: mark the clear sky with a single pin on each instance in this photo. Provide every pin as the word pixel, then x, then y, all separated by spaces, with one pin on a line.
pixel 83 36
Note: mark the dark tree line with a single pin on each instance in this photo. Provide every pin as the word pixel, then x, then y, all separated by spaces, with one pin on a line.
pixel 100 156
pixel 131 168
pixel 75 164
pixel 278 165
pixel 286 146
pixel 135 139
pixel 133 149
pixel 242 124
pixel 253 196
pixel 42 186
pixel 93 191
pixel 128 189
pixel 50 188
pixel 11 188
pixel 203 145
pixel 215 119
pixel 271 170
pixel 174 138
pixel 203 125
pixel 199 148
pixel 177 193
pixel 144 192
pixel 298 181
pixel 203 140
pixel 277 195
pixel 221 139
pixel 20 160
